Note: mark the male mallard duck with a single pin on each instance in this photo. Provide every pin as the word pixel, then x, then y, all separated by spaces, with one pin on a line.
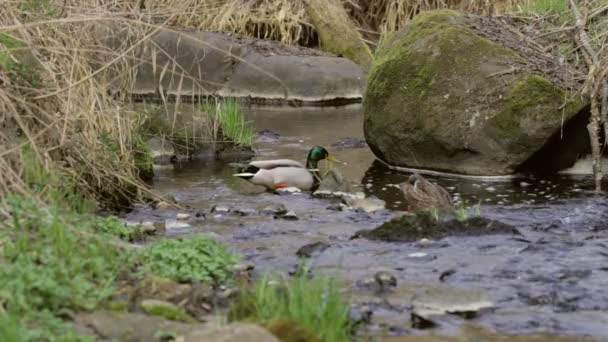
pixel 420 194
pixel 282 173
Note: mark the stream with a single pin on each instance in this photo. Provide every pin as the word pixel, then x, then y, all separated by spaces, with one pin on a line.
pixel 553 278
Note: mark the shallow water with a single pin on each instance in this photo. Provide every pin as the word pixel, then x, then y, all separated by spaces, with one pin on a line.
pixel 553 279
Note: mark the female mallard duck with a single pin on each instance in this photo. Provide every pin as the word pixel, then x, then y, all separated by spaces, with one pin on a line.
pixel 420 194
pixel 282 173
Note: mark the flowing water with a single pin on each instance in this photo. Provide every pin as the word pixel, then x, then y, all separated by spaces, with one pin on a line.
pixel 553 278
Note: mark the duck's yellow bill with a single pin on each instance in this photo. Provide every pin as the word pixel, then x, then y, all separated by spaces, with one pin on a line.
pixel 332 159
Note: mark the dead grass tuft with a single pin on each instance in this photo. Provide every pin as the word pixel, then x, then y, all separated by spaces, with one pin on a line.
pixel 54 107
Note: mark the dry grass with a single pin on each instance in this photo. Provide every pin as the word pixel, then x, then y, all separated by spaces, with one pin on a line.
pixel 288 22
pixel 54 107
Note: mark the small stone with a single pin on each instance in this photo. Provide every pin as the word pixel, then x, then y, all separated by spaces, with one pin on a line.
pixel 290 215
pixel 244 211
pixel 308 250
pixel 162 205
pixel 274 209
pixel 172 224
pixel 385 278
pixel 220 209
pixel 524 184
pixel 288 191
pixel 243 267
pixel 417 255
pixel 182 216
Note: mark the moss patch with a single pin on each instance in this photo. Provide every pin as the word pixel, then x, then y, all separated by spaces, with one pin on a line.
pixel 412 228
pixel 165 310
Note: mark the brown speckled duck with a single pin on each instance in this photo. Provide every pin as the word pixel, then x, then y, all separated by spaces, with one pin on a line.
pixel 420 194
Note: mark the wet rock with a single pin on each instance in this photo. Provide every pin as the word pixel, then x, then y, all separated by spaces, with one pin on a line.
pixel 385 279
pixel 367 204
pixel 175 225
pixel 350 142
pixel 220 209
pixel 165 309
pixel 409 228
pixel 290 216
pixel 421 257
pixel 182 216
pixel 200 300
pixel 162 205
pixel 244 211
pixel 233 332
pixel 335 207
pixel 162 289
pixel 445 274
pixel 162 150
pixel 442 301
pixel 274 209
pixel 308 250
pixel 291 190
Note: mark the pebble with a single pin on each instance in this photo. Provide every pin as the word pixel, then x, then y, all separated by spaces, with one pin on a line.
pixel 524 184
pixel 182 216
pixel 274 209
pixel 417 255
pixel 290 215
pixel 220 209
pixel 385 278
pixel 289 191
pixel 173 224
pixel 244 211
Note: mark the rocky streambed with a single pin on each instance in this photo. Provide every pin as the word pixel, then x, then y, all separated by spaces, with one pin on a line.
pixel 549 275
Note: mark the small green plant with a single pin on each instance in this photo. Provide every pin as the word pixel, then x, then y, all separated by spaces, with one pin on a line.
pixel 230 118
pixel 51 262
pixel 116 227
pixel 314 303
pixel 195 258
pixel 461 213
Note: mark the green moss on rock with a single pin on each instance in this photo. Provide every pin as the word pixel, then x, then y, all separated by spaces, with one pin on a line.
pixel 166 310
pixel 438 97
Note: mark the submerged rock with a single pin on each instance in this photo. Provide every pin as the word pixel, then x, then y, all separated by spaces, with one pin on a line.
pixel 367 204
pixel 410 228
pixel 274 209
pixel 310 249
pixel 465 94
pixel 442 301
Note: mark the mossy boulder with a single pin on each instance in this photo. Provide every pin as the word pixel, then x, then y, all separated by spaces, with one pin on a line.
pixel 442 95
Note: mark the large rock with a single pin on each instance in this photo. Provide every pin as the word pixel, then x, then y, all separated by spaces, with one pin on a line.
pixel 192 64
pixel 468 95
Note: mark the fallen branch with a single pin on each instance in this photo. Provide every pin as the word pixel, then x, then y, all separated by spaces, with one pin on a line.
pixel 596 87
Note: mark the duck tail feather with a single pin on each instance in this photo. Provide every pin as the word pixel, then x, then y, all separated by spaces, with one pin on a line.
pixel 244 175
